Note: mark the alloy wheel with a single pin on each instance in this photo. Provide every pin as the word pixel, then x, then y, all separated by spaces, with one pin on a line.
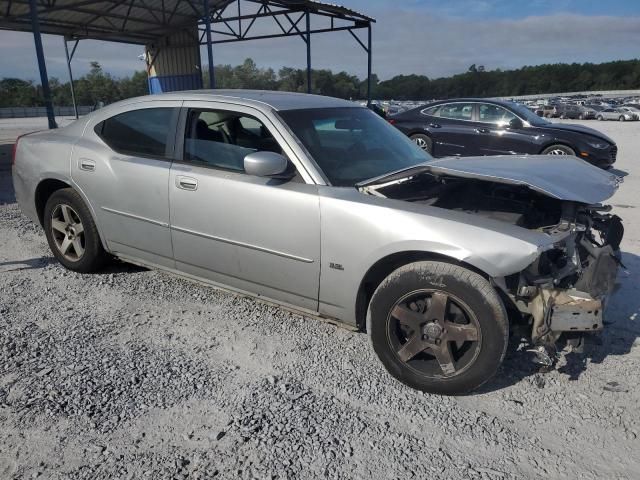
pixel 68 232
pixel 434 333
pixel 556 151
pixel 421 143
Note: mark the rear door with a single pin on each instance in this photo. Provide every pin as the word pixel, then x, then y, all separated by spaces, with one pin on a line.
pixel 256 234
pixel 122 166
pixel 494 135
pixel 452 129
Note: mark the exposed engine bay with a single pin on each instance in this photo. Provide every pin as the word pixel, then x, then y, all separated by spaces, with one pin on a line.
pixel 565 288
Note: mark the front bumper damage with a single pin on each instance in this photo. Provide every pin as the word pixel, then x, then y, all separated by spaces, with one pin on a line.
pixel 555 311
pixel 565 291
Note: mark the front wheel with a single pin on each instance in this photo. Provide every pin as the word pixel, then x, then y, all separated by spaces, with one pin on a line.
pixel 558 150
pixel 438 327
pixel 600 117
pixel 71 232
pixel 621 118
pixel 423 141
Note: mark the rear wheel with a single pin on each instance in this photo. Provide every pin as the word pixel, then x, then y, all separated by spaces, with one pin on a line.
pixel 438 327
pixel 423 141
pixel 72 233
pixel 558 150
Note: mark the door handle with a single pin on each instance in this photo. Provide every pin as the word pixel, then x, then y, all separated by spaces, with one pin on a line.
pixel 434 125
pixel 186 183
pixel 482 130
pixel 86 165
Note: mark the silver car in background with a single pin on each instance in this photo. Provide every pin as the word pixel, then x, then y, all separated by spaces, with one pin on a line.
pixel 319 204
pixel 620 114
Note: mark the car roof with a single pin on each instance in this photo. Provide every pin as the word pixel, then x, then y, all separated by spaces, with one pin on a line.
pixel 475 100
pixel 257 98
pixel 503 103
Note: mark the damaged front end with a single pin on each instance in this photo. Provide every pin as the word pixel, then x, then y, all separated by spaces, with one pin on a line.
pixel 565 290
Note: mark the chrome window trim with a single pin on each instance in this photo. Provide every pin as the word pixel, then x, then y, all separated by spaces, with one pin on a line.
pixel 475 102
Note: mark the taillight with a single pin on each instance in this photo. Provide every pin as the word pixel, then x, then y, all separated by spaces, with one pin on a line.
pixel 392 121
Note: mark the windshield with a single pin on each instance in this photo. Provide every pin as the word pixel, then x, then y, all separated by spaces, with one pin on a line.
pixel 528 115
pixel 354 144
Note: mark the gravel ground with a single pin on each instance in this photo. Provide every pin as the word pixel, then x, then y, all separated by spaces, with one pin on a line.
pixel 133 373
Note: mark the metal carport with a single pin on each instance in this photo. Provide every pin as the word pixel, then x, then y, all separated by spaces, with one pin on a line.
pixel 147 22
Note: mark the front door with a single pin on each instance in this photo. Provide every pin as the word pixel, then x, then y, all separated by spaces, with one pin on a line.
pixel 256 234
pixel 122 165
pixel 495 136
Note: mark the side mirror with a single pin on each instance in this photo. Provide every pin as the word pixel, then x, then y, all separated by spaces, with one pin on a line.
pixel 265 164
pixel 516 123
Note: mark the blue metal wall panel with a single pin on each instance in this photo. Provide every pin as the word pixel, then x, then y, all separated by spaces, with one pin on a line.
pixel 172 83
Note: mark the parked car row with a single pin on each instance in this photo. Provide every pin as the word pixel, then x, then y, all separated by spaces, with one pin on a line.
pixel 574 112
pixel 471 127
pixel 321 205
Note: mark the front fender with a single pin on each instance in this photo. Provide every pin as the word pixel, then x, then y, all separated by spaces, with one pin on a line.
pixel 358 230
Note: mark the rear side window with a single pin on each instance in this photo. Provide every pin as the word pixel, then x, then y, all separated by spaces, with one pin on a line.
pixel 457 111
pixel 143 132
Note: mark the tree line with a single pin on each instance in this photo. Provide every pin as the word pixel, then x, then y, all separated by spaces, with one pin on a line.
pixel 99 86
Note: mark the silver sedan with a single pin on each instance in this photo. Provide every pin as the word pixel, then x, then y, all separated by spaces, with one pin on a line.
pixel 620 114
pixel 320 205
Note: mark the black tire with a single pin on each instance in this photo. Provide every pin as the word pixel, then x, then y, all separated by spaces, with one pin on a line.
pixel 558 149
pixel 472 363
pixel 93 256
pixel 621 118
pixel 423 141
pixel 580 117
pixel 600 118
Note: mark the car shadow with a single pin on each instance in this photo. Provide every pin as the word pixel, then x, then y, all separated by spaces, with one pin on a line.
pixel 120 266
pixel 7 194
pixel 621 331
pixel 30 264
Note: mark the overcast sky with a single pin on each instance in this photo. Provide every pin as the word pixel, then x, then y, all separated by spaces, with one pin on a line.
pixel 431 37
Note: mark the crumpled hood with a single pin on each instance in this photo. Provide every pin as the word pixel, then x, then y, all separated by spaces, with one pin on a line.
pixel 572 127
pixel 562 177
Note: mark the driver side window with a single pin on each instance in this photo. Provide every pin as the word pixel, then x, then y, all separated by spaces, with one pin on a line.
pixel 489 113
pixel 221 139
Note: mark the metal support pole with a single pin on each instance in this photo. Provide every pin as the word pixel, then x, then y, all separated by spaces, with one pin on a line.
pixel 308 52
pixel 44 79
pixel 207 22
pixel 369 47
pixel 73 92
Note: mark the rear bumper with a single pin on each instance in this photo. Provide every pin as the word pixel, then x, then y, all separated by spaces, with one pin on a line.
pixel 24 194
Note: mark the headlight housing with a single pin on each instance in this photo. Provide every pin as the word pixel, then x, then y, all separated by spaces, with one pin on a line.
pixel 599 145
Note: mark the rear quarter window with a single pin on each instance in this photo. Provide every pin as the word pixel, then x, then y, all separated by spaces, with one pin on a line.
pixel 143 132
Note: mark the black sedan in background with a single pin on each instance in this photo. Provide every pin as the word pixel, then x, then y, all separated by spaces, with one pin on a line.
pixel 471 127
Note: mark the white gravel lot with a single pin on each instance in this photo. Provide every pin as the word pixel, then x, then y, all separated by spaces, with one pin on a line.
pixel 134 374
